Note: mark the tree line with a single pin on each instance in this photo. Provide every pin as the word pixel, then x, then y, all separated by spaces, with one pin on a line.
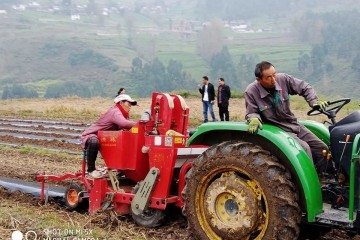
pixel 143 79
pixel 333 36
pixel 244 9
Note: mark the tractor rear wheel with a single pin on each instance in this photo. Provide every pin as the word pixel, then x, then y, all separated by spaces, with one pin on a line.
pixel 73 200
pixel 236 190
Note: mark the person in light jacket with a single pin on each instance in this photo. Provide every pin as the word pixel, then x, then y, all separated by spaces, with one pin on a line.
pixel 208 98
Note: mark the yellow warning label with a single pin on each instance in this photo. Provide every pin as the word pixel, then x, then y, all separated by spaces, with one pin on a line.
pixel 178 140
pixel 134 130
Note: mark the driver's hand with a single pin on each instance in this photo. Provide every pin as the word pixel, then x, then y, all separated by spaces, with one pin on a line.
pixel 321 104
pixel 254 125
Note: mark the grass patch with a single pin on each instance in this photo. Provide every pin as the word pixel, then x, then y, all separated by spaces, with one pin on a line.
pixel 41 86
pixel 54 223
pixel 28 150
pixel 26 112
pixel 76 109
pixel 187 94
pixel 70 113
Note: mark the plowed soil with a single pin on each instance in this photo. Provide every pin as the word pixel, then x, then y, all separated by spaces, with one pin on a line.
pixel 24 212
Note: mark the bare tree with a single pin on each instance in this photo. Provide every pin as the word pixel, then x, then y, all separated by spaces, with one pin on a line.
pixel 92 7
pixel 129 22
pixel 211 39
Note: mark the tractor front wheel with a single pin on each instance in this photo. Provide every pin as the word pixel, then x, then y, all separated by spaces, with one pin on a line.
pixel 236 190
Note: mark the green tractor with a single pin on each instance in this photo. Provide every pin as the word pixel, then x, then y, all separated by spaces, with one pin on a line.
pixel 263 186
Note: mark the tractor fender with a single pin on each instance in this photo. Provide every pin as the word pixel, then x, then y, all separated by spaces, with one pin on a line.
pixel 280 144
pixel 319 129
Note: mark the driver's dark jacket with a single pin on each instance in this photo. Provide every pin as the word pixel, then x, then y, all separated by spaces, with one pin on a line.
pixel 275 109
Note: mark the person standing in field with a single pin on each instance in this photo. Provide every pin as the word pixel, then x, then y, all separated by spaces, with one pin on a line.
pixel 121 91
pixel 223 97
pixel 207 91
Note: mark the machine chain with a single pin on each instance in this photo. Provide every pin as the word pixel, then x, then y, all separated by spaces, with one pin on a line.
pixel 115 181
pixel 108 200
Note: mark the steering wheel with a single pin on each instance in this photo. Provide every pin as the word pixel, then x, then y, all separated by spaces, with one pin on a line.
pixel 332 108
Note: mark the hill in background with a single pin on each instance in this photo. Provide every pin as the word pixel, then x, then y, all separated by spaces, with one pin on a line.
pixel 56 48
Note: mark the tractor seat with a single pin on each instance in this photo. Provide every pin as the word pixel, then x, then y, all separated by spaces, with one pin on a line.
pixel 191 131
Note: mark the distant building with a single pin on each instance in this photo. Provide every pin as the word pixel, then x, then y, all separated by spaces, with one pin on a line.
pixel 239 28
pixel 19 7
pixel 75 17
pixel 268 29
pixel 34 4
pixel 105 11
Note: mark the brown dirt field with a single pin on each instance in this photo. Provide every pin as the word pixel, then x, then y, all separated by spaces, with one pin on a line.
pixel 24 212
pixel 27 165
pixel 46 144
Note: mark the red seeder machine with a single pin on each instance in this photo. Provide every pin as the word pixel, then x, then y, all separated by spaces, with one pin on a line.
pixel 146 166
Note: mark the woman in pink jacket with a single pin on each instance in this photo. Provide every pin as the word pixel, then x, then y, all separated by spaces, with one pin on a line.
pixel 116 118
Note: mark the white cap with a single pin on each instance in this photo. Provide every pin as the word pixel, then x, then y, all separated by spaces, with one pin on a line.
pixel 124 97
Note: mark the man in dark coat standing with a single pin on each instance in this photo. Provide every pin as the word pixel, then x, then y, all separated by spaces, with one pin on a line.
pixel 207 91
pixel 223 97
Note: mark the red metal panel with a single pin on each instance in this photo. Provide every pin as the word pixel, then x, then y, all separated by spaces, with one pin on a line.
pixel 169 113
pixel 97 194
pixel 179 117
pixel 121 208
pixel 122 150
pixel 162 155
pixel 164 159
pixel 160 110
pixel 184 169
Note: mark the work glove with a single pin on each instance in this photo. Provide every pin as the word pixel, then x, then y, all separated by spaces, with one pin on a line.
pixel 254 125
pixel 321 104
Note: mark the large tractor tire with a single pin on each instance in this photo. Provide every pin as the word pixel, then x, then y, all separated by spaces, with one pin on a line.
pixel 236 190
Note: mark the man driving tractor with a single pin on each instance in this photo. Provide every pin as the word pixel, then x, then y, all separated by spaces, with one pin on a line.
pixel 268 100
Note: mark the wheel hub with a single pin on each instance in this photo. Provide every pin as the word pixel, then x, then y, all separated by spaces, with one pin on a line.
pixel 72 197
pixel 232 206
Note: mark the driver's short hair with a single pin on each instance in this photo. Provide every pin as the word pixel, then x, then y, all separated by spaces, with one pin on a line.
pixel 260 67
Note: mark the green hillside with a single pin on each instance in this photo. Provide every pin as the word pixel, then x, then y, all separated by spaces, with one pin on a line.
pixel 43 50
